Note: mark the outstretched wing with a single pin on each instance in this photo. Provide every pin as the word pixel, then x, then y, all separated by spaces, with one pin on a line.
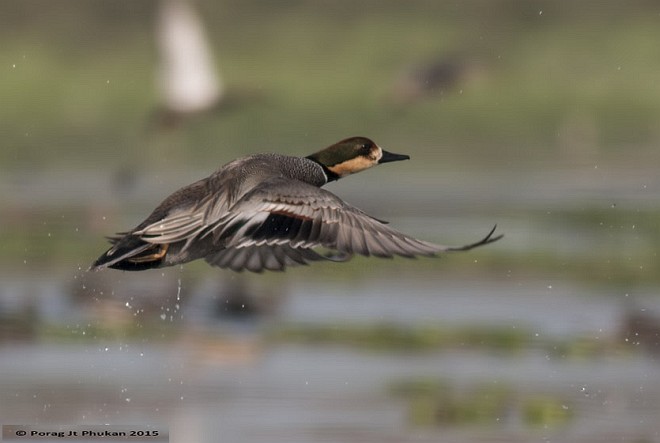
pixel 264 257
pixel 288 213
pixel 279 224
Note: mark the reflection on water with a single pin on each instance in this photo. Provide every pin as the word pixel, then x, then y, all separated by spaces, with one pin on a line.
pixel 220 376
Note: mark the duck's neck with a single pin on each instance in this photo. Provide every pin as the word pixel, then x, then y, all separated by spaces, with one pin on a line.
pixel 329 175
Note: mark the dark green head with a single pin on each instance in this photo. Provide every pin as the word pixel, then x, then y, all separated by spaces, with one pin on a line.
pixel 353 155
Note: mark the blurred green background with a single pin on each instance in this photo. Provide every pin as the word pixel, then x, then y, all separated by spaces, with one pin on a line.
pixel 78 83
pixel 527 88
pixel 541 116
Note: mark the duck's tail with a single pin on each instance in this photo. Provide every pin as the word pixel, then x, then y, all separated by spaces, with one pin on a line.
pixel 130 253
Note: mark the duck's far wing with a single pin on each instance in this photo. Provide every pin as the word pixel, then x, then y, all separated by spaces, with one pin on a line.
pixel 286 212
pixel 263 257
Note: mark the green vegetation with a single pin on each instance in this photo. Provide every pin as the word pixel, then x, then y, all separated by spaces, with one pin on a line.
pixel 546 411
pixel 433 402
pixel 120 332
pixel 380 337
pixel 78 85
pixel 389 337
pixel 392 337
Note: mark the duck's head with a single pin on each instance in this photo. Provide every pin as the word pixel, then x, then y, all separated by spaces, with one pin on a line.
pixel 352 155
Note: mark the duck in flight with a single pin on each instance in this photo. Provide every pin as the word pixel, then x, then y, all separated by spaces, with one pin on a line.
pixel 268 212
